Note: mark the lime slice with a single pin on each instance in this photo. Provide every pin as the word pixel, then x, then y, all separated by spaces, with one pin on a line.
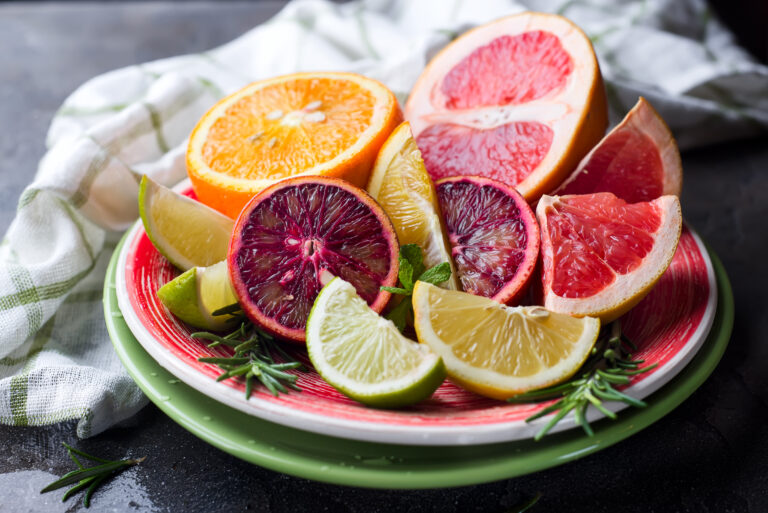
pixel 194 295
pixel 364 356
pixel 185 231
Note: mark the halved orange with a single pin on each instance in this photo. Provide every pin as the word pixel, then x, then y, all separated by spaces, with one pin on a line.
pixel 519 100
pixel 318 123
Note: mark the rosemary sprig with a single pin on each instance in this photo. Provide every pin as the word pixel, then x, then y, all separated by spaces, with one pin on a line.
pixel 253 357
pixel 88 478
pixel 610 364
pixel 411 262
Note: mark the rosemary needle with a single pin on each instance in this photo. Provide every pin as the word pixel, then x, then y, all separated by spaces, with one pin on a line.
pixel 610 364
pixel 89 478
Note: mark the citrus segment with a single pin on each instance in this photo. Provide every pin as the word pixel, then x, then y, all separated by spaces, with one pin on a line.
pixel 295 236
pixel 520 100
pixel 602 255
pixel 637 161
pixel 401 185
pixel 330 124
pixel 185 231
pixel 363 355
pixel 493 234
pixel 194 295
pixel 497 350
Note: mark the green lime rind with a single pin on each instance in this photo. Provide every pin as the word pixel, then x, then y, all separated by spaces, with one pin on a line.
pixel 182 296
pixel 427 370
pixel 186 232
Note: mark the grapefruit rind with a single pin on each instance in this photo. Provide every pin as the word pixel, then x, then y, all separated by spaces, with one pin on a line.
pixel 626 290
pixel 229 194
pixel 433 242
pixel 484 381
pixel 338 311
pixel 578 115
pixel 239 287
pixel 644 119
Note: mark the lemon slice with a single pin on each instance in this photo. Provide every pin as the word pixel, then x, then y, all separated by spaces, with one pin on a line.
pixel 186 232
pixel 194 295
pixel 364 356
pixel 402 186
pixel 496 350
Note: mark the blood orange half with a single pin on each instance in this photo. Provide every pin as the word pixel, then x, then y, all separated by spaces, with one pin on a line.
pixel 519 100
pixel 637 161
pixel 295 236
pixel 602 255
pixel 493 235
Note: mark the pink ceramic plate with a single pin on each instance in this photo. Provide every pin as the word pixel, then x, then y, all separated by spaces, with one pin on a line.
pixel 668 326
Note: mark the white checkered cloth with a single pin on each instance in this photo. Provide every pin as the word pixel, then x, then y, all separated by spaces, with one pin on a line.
pixel 56 361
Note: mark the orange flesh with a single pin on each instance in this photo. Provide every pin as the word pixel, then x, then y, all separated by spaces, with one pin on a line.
pixel 596 237
pixel 280 130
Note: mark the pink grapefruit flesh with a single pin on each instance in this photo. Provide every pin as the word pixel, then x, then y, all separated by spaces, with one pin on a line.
pixel 637 161
pixel 519 100
pixel 295 236
pixel 493 235
pixel 602 255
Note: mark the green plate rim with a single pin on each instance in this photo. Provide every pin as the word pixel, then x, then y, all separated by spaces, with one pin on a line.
pixel 376 465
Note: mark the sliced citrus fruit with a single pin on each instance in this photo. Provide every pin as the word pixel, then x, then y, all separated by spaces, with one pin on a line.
pixel 602 255
pixel 519 100
pixel 185 231
pixel 295 236
pixel 401 185
pixel 637 161
pixel 196 294
pixel 363 355
pixel 329 124
pixel 493 234
pixel 496 350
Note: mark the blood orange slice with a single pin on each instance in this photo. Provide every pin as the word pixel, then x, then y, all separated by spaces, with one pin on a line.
pixel 637 161
pixel 493 235
pixel 295 236
pixel 602 255
pixel 519 100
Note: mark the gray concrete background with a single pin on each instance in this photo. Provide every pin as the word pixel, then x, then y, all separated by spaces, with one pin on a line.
pixel 709 455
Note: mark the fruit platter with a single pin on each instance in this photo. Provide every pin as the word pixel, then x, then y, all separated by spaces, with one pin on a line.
pixel 477 284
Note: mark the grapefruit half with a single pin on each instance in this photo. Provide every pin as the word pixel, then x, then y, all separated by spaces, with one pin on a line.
pixel 637 161
pixel 519 100
pixel 602 255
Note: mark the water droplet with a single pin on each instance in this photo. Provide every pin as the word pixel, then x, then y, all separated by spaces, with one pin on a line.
pixel 153 374
pixel 117 314
pixel 164 398
pixel 206 418
pixel 324 468
pixel 173 381
pixel 251 441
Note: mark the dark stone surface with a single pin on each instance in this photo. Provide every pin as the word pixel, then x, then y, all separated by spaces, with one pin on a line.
pixel 708 455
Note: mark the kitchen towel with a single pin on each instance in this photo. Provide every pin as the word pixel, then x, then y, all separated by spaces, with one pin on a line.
pixel 56 360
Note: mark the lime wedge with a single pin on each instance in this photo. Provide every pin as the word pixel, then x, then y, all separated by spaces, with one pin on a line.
pixel 194 295
pixel 363 355
pixel 186 232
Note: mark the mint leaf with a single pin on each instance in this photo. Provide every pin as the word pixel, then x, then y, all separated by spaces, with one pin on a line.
pixel 406 274
pixel 397 290
pixel 437 274
pixel 412 253
pixel 399 314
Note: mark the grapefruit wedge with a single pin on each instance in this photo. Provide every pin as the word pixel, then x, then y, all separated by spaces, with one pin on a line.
pixel 519 100
pixel 637 161
pixel 602 255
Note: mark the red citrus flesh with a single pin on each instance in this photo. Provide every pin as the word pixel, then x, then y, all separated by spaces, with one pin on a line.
pixel 637 161
pixel 596 237
pixel 493 234
pixel 296 235
pixel 519 100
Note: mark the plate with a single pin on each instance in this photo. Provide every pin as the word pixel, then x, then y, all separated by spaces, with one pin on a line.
pixel 376 465
pixel 668 326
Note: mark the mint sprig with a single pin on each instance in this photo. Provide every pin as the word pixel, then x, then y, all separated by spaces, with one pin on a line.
pixel 412 270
